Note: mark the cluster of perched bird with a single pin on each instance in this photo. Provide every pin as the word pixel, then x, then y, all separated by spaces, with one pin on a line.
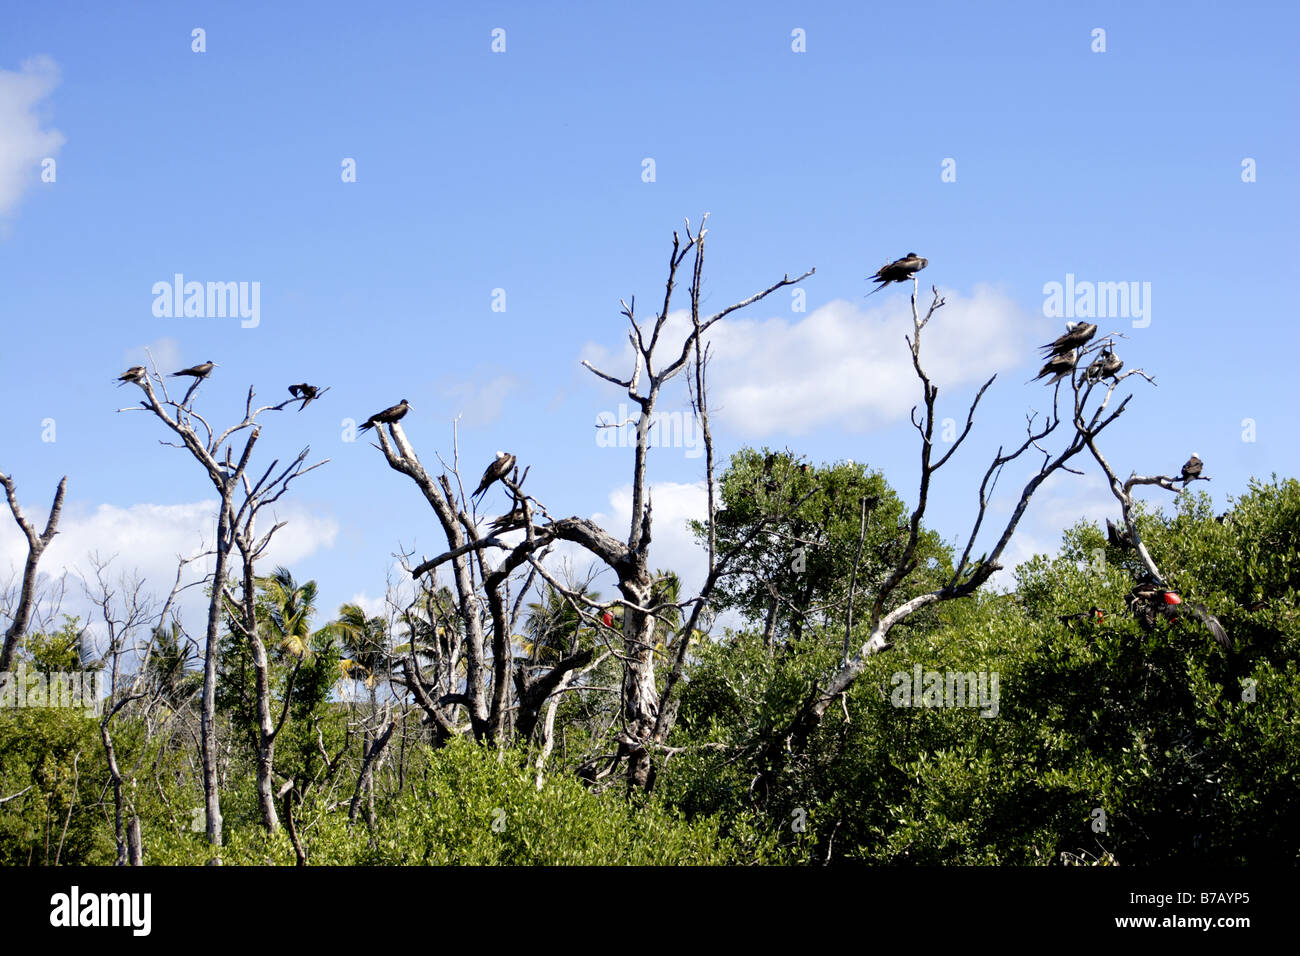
pixel 499 468
pixel 1148 601
pixel 1062 356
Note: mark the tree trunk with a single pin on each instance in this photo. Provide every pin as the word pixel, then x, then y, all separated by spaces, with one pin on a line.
pixel 211 650
pixel 262 683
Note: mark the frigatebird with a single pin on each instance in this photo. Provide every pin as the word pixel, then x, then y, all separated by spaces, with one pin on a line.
pixel 1105 365
pixel 1149 601
pixel 900 270
pixel 495 471
pixel 1202 614
pixel 305 392
pixel 1059 366
pixel 1076 334
pixel 135 373
pixel 388 416
pixel 197 371
pixel 507 522
pixel 1115 539
pixel 1192 469
pixel 1094 615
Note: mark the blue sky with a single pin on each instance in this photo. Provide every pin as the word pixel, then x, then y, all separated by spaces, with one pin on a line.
pixel 522 171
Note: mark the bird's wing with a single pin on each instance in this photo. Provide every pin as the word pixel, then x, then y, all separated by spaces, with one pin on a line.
pixel 1202 614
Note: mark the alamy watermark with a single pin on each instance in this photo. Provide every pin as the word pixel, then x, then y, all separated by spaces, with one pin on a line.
pixel 946 689
pixel 1098 300
pixel 666 430
pixel 77 689
pixel 211 300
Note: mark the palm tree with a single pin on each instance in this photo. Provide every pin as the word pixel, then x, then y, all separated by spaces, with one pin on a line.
pixel 286 608
pixel 166 667
pixel 553 627
pixel 364 640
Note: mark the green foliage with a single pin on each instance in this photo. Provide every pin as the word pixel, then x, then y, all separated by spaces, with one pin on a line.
pixel 797 527
pixel 1110 742
pixel 477 806
pixel 1185 752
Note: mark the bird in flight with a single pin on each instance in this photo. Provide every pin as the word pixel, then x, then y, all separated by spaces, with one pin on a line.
pixel 305 392
pixel 197 371
pixel 135 373
pixel 1076 334
pixel 1192 469
pixel 495 471
pixel 1059 366
pixel 1106 365
pixel 388 416
pixel 900 270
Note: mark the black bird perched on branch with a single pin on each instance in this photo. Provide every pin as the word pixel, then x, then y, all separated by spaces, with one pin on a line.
pixel 1094 615
pixel 900 270
pixel 389 416
pixel 135 373
pixel 1076 334
pixel 506 522
pixel 1105 365
pixel 495 471
pixel 197 371
pixel 1060 366
pixel 1115 539
pixel 1192 469
pixel 305 392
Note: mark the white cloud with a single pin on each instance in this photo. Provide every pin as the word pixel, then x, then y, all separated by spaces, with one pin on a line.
pixel 146 540
pixel 373 606
pixel 166 353
pixel 478 400
pixel 1059 503
pixel 672 545
pixel 845 364
pixel 23 142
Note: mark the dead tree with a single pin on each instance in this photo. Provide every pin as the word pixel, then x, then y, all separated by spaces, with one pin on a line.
pixel 214 451
pixel 124 612
pixel 486 715
pixel 968 576
pixel 243 619
pixel 36 545
pixel 643 726
pixel 1123 492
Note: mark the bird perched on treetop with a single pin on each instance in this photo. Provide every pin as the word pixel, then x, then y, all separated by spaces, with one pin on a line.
pixel 197 371
pixel 388 416
pixel 1192 469
pixel 1076 334
pixel 900 270
pixel 495 471
pixel 1105 365
pixel 305 392
pixel 135 373
pixel 1060 366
